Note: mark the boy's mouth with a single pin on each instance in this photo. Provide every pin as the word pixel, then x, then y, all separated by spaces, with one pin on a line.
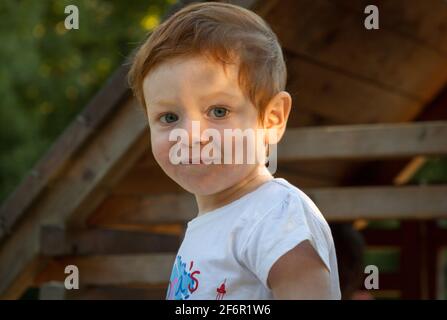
pixel 192 161
pixel 195 161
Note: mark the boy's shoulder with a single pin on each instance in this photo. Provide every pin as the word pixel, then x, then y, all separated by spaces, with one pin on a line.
pixel 264 199
pixel 271 194
pixel 279 191
pixel 277 200
pixel 283 217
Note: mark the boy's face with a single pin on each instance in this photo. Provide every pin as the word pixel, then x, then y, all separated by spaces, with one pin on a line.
pixel 184 90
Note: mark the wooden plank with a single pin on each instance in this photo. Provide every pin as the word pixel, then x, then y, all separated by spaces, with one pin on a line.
pixel 175 229
pixel 325 33
pixel 343 99
pixel 424 22
pixel 408 202
pixel 56 241
pixel 54 290
pixel 410 169
pixel 118 293
pixel 436 109
pixel 145 209
pixel 101 189
pixel 25 279
pixel 344 204
pixel 117 270
pixel 364 141
pixel 399 171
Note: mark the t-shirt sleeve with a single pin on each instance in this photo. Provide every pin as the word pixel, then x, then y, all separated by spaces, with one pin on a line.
pixel 279 230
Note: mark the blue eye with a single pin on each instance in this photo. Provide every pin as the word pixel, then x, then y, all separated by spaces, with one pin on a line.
pixel 169 117
pixel 219 112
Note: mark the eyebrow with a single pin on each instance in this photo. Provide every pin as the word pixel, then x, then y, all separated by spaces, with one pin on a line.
pixel 168 103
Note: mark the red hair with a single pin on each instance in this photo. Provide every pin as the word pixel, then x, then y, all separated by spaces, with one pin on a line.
pixel 224 32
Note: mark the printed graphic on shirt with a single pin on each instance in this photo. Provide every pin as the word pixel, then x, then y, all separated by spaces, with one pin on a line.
pixel 182 282
pixel 221 291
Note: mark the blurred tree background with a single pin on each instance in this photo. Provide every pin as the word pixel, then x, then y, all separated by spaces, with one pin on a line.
pixel 48 73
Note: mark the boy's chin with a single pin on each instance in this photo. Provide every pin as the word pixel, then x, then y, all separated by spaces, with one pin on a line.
pixel 202 185
pixel 201 188
pixel 205 180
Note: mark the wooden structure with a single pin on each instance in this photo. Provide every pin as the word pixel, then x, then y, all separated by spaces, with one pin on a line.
pixel 368 109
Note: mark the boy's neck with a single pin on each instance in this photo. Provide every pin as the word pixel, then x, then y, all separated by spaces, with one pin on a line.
pixel 256 178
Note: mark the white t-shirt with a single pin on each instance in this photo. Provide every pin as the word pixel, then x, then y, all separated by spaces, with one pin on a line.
pixel 227 253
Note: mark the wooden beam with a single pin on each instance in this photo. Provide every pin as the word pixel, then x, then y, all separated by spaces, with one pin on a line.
pixel 410 169
pixel 399 171
pixel 145 209
pixel 25 279
pixel 408 202
pixel 56 241
pixel 55 290
pixel 436 110
pixel 330 36
pixel 117 293
pixel 344 203
pixel 117 270
pixel 364 141
pixel 331 95
pixel 423 22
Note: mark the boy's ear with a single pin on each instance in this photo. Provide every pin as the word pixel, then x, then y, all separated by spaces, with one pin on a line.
pixel 276 116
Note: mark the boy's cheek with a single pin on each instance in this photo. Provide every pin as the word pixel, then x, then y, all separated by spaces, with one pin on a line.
pixel 160 149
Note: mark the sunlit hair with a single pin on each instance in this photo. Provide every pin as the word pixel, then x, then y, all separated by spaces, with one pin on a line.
pixel 225 33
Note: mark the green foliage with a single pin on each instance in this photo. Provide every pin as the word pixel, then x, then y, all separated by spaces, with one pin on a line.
pixel 48 73
pixel 433 172
pixel 386 259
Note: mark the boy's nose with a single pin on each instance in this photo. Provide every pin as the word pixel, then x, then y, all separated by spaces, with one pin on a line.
pixel 194 130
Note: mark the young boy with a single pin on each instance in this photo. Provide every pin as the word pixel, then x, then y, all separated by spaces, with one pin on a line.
pixel 221 67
